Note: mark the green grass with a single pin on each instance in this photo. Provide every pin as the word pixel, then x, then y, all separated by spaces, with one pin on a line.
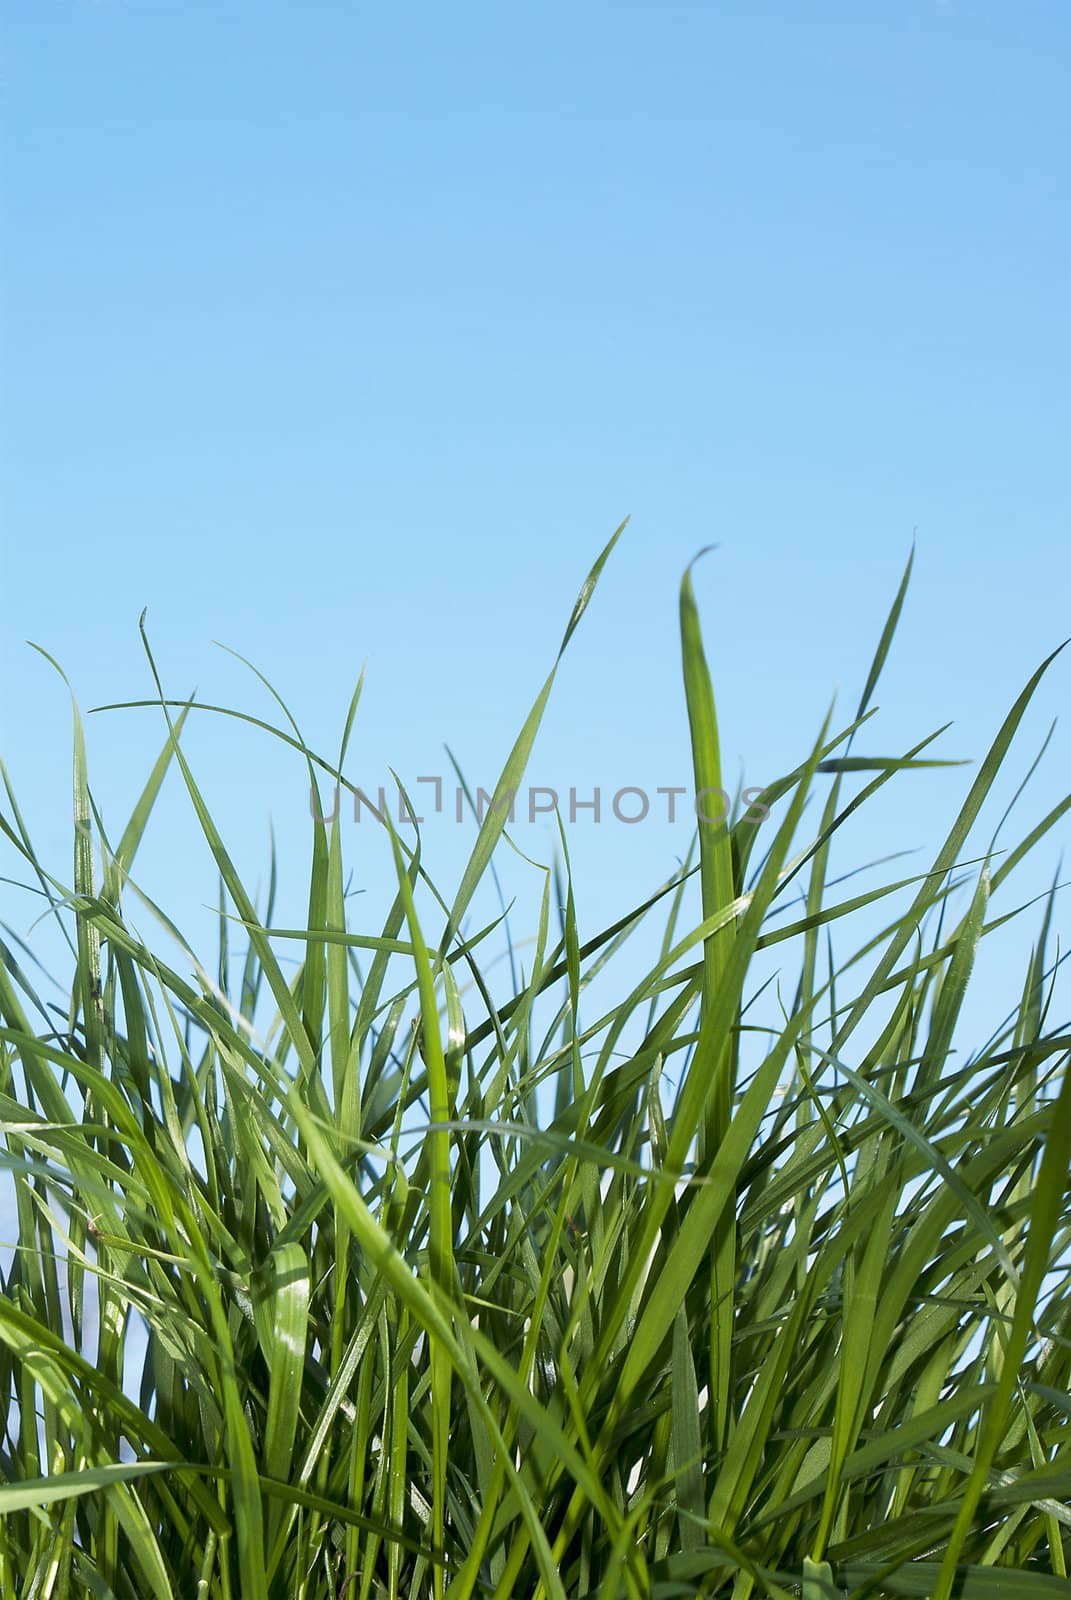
pixel 510 1304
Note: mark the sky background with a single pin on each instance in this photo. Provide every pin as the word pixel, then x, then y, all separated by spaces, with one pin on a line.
pixel 347 334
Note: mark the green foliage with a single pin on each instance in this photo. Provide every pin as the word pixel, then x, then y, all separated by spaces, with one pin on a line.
pixel 799 1326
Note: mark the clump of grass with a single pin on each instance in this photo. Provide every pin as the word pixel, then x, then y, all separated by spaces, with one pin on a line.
pixel 370 1323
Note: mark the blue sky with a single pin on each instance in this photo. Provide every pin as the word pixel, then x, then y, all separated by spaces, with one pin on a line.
pixel 347 334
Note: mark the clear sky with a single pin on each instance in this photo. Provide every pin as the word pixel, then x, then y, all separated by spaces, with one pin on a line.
pixel 344 333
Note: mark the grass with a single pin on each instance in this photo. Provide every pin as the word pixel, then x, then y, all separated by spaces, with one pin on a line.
pixel 354 1283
